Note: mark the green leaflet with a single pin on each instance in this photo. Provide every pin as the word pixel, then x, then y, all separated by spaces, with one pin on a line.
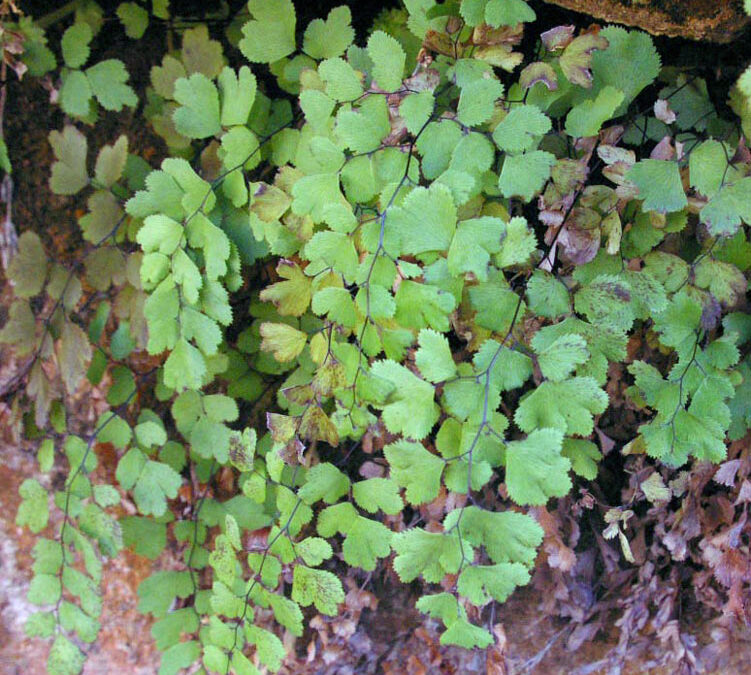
pixel 547 296
pixel 507 536
pixel 325 39
pixel 436 145
pixel 422 305
pixel 606 301
pixel 518 245
pixel 135 19
pixel 75 94
pixel 678 324
pixel 388 60
pixel 152 482
pixel 584 456
pixel 535 468
pixel 269 647
pixel 659 185
pixel 311 586
pixel 630 63
pixel 496 305
pixel 568 406
pixel 69 174
pixel 425 221
pixel 366 540
pixel 199 115
pixel 481 583
pixel 410 408
pixel 378 493
pixel 33 510
pixel 238 95
pixel 416 110
pixel 728 208
pixel 428 554
pixel 324 481
pixel 158 591
pixel 473 243
pixel 317 107
pixel 560 358
pixel 506 369
pixel 521 129
pixel 496 12
pixel 416 469
pixel 64 657
pixel 341 79
pixel 524 175
pixel 270 36
pixel 363 128
pixel 692 415
pixel 586 118
pixel 75 44
pixel 108 84
pixel 477 100
pixel 459 630
pixel 434 358
pixel 709 168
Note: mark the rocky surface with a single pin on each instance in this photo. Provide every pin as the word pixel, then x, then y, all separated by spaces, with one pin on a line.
pixel 711 20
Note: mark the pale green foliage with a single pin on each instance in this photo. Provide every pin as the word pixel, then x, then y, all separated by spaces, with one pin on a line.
pixel 692 415
pixel 415 469
pixel 728 208
pixel 271 34
pixel 659 185
pixel 433 358
pixel 496 12
pixel 408 408
pixel 69 174
pixel 33 511
pixel 28 269
pixel 152 482
pixel 349 249
pixel 135 19
pixel 103 83
pixel 388 60
pixel 535 469
pixel 586 118
pixel 199 115
pixel 331 37
pixel 477 100
pixel 524 175
pixel 75 44
pixel 521 128
pixel 312 586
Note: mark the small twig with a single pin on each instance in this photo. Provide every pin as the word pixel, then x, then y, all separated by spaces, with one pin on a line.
pixel 530 664
pixel 56 15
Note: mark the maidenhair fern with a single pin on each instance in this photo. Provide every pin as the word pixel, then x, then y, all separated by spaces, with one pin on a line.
pixel 456 250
